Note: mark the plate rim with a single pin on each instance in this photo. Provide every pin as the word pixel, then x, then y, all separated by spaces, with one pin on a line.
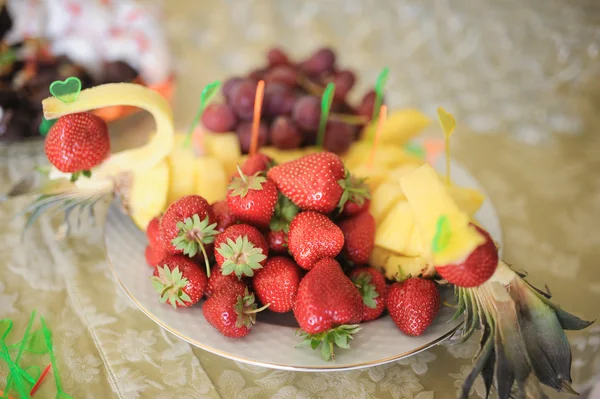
pixel 271 365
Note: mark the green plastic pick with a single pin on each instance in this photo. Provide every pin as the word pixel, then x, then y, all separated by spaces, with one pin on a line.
pixel 67 90
pixel 48 338
pixel 379 89
pixel 415 149
pixel 21 347
pixel 17 375
pixel 208 93
pixel 441 239
pixel 326 102
pixel 46 125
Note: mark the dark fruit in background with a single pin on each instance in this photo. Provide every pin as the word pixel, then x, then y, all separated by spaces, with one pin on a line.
pixel 244 133
pixel 291 108
pixel 118 71
pixel 219 118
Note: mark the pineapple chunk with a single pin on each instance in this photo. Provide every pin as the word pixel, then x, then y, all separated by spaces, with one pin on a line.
pixel 148 194
pixel 393 265
pixel 429 200
pixel 386 156
pixel 398 173
pixel 400 127
pixel 211 180
pixel 468 200
pixel 225 147
pixel 383 198
pixel 182 170
pixel 393 233
pixel 283 156
pixel 374 175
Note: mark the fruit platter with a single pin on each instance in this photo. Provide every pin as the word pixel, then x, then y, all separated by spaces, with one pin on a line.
pixel 310 257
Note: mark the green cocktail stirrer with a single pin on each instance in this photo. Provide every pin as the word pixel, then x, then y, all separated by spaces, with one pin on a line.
pixel 326 102
pixel 379 91
pixel 48 338
pixel 208 93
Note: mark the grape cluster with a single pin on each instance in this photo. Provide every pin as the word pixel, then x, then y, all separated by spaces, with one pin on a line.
pixel 291 107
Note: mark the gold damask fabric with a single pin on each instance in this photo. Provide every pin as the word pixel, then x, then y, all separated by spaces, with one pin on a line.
pixel 547 196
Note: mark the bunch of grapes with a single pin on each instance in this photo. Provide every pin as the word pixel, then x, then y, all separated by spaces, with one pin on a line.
pixel 292 104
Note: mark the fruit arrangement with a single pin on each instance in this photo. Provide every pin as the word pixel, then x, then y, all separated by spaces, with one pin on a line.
pixel 336 240
pixel 292 104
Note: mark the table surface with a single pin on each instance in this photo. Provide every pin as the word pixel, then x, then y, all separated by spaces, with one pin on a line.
pixel 547 196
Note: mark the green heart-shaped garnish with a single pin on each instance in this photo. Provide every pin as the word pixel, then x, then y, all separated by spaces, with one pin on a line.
pixel 67 90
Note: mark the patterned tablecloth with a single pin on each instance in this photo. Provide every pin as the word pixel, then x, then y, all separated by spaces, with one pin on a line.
pixel 547 195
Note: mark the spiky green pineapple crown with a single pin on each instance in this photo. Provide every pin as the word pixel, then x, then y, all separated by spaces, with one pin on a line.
pixel 170 284
pixel 241 257
pixel 366 289
pixel 355 190
pixel 339 336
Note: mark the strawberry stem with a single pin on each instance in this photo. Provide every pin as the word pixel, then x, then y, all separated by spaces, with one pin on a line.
pixel 205 258
pixel 258 309
pixel 339 336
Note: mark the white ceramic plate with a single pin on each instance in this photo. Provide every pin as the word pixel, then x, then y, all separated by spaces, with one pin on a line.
pixel 272 342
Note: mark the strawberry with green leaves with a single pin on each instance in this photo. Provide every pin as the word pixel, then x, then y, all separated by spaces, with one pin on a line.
pixel 328 308
pixel 373 290
pixel 76 143
pixel 312 237
pixel 223 215
pixel 241 249
pixel 356 197
pixel 217 280
pixel 279 227
pixel 188 226
pixel 413 304
pixel 252 199
pixel 276 284
pixel 311 182
pixel 179 281
pixel 359 237
pixel 232 311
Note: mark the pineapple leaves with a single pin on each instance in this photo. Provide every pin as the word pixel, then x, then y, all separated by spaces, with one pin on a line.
pixel 339 336
pixel 240 257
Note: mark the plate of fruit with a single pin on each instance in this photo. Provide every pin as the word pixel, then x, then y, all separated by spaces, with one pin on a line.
pixel 305 259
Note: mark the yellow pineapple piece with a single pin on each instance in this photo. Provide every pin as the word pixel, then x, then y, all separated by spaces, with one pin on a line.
pixel 392 264
pixel 429 201
pixel 374 175
pixel 211 180
pixel 148 194
pixel 393 233
pixel 388 157
pixel 399 172
pixel 225 147
pixel 383 198
pixel 400 126
pixel 182 170
pixel 468 199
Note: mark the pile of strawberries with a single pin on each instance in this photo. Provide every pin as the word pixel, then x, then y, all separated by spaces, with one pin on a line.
pixel 291 237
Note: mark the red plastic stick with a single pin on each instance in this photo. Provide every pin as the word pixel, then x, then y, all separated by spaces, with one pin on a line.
pixel 258 100
pixel 40 380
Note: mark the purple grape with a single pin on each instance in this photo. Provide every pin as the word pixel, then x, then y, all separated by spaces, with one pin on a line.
pixel 338 137
pixel 306 112
pixel 219 118
pixel 282 74
pixel 366 106
pixel 244 133
pixel 344 80
pixel 257 74
pixel 276 56
pixel 229 86
pixel 285 134
pixel 279 100
pixel 242 99
pixel 321 61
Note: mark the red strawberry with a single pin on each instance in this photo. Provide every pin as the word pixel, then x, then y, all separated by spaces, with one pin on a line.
pixel 359 237
pixel 356 197
pixel 241 249
pixel 312 237
pixel 179 281
pixel 154 255
pixel 231 310
pixel 277 283
pixel 479 266
pixel 217 281
pixel 153 232
pixel 187 226
pixel 252 199
pixel 277 241
pixel 327 307
pixel 77 143
pixel 311 182
pixel 223 215
pixel 258 162
pixel 373 289
pixel 413 304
